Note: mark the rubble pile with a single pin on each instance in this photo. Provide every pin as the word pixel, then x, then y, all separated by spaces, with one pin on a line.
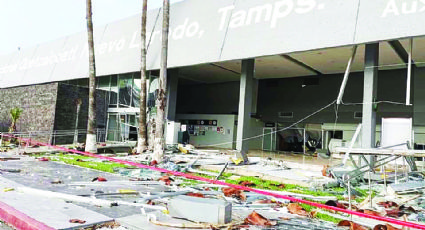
pixel 134 197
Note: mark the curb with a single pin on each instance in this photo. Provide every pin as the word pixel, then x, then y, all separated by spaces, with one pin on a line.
pixel 20 220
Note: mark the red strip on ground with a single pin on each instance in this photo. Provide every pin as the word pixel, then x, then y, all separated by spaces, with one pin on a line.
pixel 188 176
pixel 20 220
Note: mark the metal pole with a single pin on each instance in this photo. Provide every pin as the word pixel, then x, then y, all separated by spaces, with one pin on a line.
pixel 345 79
pixel 405 169
pixel 395 165
pixel 349 195
pixel 29 142
pixel 304 140
pixel 19 141
pixel 353 140
pixel 262 143
pixel 370 189
pixel 271 139
pixel 409 72
pixel 385 178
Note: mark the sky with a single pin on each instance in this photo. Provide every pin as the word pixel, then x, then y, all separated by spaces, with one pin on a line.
pixel 26 23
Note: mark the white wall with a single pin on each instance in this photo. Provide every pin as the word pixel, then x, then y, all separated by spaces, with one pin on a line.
pixel 255 129
pixel 212 138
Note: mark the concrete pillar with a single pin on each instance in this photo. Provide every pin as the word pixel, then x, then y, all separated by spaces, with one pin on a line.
pixel 369 95
pixel 254 96
pixel 172 84
pixel 245 106
pixel 419 97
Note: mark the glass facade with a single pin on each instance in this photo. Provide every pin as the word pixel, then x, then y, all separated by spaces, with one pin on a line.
pixel 123 98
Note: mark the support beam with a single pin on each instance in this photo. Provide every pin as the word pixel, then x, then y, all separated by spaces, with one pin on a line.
pixel 245 107
pixel 302 64
pixel 409 72
pixel 224 68
pixel 172 85
pixel 347 72
pixel 369 95
pixel 400 51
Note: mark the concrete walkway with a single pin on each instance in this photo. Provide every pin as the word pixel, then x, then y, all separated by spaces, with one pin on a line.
pixel 55 213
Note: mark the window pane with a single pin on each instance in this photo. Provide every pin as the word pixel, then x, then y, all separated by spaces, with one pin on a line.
pixel 136 92
pixel 114 80
pixel 125 89
pixel 113 102
pixel 103 83
pixel 113 131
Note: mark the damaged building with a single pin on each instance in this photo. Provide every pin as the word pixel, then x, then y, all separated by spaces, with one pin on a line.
pixel 237 70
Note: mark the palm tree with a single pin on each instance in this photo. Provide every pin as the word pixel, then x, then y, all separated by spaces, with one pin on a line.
pixel 141 142
pixel 15 113
pixel 91 124
pixel 161 100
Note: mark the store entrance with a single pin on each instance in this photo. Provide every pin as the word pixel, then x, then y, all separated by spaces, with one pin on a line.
pixel 122 126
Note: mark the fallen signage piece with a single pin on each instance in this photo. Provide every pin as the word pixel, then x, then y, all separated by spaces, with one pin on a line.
pixel 201 209
pixel 407 187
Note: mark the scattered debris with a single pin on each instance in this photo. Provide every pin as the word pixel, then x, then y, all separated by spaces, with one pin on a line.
pixel 256 219
pixel 407 187
pixel 247 184
pixel 385 227
pixel 195 194
pixel 207 210
pixel 100 179
pixel 10 170
pixel 352 225
pixel 128 191
pixel 9 158
pixel 78 221
pixel 325 170
pixel 295 208
pixel 8 189
pixel 43 159
pixel 337 204
pixel 56 181
pixel 149 191
pixel 233 192
pixel 166 179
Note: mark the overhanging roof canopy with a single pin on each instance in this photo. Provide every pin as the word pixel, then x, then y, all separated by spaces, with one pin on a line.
pixel 217 31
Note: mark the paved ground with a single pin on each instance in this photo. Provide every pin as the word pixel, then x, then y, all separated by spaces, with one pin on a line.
pixel 28 172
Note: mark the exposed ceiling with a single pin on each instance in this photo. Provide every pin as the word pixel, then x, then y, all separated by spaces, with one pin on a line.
pixel 418 50
pixel 310 63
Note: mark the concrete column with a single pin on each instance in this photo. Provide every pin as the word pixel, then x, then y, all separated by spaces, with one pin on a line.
pixel 245 106
pixel 172 84
pixel 369 95
pixel 418 96
pixel 254 96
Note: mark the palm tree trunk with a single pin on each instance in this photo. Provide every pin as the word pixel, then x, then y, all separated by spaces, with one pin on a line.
pixel 161 100
pixel 91 124
pixel 141 142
